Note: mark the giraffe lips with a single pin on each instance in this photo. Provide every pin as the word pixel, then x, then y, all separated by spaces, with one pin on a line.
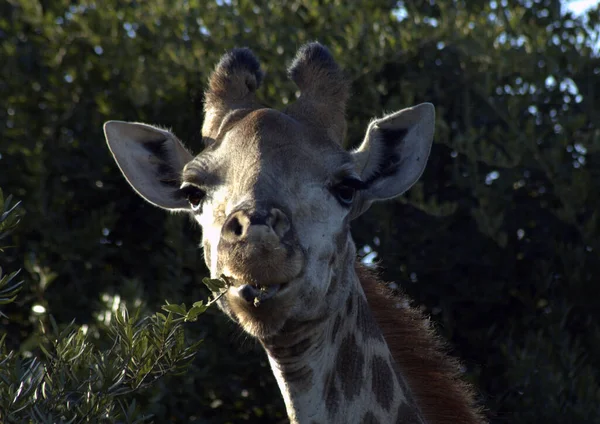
pixel 256 294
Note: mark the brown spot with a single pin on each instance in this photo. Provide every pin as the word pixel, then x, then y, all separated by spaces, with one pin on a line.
pixel 333 284
pixel 326 257
pixel 349 367
pixel 340 240
pixel 408 414
pixel 349 305
pixel 366 323
pixel 332 260
pixel 383 383
pixel 369 418
pixel 336 328
pixel 332 400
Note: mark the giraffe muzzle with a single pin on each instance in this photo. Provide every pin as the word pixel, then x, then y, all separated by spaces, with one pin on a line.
pixel 259 249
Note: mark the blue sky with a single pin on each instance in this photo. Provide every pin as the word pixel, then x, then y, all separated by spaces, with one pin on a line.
pixel 580 6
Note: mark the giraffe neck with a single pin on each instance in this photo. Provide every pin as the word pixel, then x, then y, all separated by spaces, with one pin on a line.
pixel 339 369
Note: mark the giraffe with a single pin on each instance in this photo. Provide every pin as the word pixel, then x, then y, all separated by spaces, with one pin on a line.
pixel 274 193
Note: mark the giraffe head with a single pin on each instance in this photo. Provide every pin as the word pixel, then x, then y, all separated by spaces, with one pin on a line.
pixel 275 191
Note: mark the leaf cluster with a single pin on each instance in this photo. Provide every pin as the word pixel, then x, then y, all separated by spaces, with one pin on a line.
pixel 9 219
pixel 75 382
pixel 72 380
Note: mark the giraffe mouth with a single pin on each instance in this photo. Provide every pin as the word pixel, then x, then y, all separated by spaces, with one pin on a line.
pixel 256 293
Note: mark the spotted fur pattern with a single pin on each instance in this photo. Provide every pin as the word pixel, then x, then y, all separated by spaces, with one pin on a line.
pixel 340 369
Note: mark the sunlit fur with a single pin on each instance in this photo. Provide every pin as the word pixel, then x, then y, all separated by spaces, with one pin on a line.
pixel 324 344
pixel 252 156
pixel 421 356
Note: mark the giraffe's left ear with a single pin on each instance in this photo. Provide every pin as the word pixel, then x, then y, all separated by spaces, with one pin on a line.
pixel 393 154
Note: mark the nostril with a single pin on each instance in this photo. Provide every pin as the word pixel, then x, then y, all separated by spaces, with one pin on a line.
pixel 234 228
pixel 256 225
pixel 279 222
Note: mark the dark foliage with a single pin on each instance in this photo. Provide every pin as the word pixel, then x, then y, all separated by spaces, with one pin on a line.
pixel 499 241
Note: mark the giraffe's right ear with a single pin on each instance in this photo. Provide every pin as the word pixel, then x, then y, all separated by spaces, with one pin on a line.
pixel 151 159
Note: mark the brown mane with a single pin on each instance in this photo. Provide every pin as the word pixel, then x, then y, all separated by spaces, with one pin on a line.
pixel 432 375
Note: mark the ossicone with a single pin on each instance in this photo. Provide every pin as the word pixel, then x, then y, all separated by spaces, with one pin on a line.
pixel 236 75
pixel 231 86
pixel 324 89
pixel 317 75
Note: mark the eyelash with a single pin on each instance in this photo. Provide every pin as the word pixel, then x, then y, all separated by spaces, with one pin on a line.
pixel 194 196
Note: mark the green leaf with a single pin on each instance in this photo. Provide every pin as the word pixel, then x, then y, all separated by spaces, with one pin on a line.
pixel 214 284
pixel 174 308
pixel 196 309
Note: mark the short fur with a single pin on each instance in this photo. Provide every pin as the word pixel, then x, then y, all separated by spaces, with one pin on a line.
pixel 324 90
pixel 231 86
pixel 237 74
pixel 316 74
pixel 432 375
pixel 287 167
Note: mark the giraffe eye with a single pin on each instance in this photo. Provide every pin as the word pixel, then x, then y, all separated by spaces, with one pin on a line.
pixel 345 191
pixel 194 196
pixel 345 194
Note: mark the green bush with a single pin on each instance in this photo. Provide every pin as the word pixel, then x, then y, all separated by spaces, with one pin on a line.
pixel 73 381
pixel 498 241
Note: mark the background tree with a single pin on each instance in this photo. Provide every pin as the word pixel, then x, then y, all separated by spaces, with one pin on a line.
pixel 498 242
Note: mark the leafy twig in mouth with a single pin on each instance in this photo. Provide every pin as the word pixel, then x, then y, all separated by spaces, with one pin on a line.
pixel 215 285
pixel 262 292
pixel 221 292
